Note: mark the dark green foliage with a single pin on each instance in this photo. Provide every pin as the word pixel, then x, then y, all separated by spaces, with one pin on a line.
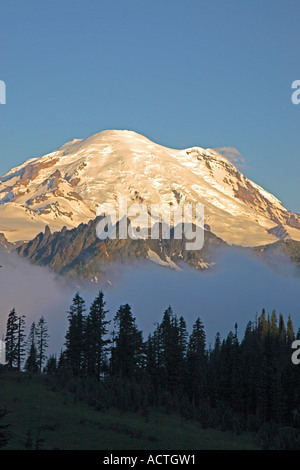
pixel 15 340
pixel 250 385
pixel 196 364
pixel 32 362
pixel 290 331
pixel 95 342
pixel 20 341
pixel 75 337
pixel 247 385
pixel 51 366
pixel 127 353
pixel 170 343
pixel 41 341
pixel 11 339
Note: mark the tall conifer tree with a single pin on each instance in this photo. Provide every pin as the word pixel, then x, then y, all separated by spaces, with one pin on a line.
pixel 75 335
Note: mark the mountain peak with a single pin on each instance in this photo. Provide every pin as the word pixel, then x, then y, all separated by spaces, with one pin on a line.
pixel 65 187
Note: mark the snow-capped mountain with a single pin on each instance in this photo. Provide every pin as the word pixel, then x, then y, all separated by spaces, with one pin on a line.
pixel 65 187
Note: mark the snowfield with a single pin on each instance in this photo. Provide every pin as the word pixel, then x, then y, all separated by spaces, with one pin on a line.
pixel 65 187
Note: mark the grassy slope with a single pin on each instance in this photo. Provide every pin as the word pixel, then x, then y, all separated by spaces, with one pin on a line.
pixel 66 425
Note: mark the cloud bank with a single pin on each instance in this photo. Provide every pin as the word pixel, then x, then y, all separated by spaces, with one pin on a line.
pixel 234 292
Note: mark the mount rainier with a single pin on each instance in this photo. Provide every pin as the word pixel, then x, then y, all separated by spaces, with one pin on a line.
pixel 65 187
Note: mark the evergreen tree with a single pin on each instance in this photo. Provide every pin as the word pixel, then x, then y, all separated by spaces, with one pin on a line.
pixel 11 339
pixel 290 331
pixel 62 363
pixel 75 335
pixel 31 364
pixel 213 371
pixel 51 366
pixel 172 351
pixel 197 363
pixel 217 347
pixel 250 362
pixel 20 341
pixel 263 325
pixel 127 355
pixel 42 341
pixel 197 341
pixel 95 333
pixel 183 336
pixel 273 326
pixel 151 364
pixel 282 330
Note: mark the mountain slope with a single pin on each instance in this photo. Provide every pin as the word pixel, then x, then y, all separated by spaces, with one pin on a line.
pixel 37 410
pixel 279 253
pixel 65 187
pixel 78 253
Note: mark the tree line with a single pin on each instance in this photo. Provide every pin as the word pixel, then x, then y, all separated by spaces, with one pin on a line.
pixel 240 385
pixel 18 347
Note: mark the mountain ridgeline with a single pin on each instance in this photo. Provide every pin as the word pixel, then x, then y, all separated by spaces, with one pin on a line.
pixel 80 253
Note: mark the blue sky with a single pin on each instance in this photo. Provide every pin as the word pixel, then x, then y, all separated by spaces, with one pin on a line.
pixel 212 73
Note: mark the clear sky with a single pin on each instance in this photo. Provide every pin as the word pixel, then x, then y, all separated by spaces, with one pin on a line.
pixel 212 73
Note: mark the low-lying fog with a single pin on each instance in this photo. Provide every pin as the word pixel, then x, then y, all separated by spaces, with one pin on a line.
pixel 238 288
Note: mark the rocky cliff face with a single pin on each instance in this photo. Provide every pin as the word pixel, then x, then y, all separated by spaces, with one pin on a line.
pixel 79 253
